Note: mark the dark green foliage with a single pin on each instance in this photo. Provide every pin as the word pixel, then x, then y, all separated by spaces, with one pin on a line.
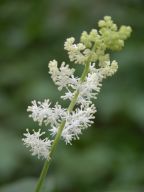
pixel 109 157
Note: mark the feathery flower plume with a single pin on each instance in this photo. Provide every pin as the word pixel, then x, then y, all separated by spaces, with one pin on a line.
pixel 93 53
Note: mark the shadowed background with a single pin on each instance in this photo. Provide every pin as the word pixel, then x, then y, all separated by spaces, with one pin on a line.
pixel 109 157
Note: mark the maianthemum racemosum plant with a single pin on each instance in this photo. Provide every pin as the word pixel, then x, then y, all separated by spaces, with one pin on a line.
pixel 68 124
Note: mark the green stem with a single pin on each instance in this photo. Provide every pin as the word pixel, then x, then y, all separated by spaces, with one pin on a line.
pixel 60 129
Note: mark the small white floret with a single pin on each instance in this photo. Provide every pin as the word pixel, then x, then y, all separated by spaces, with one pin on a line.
pixel 39 147
pixel 61 76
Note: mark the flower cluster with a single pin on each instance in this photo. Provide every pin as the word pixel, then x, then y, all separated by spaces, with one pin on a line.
pixel 60 76
pixel 93 53
pixel 76 121
pixel 42 113
pixel 38 146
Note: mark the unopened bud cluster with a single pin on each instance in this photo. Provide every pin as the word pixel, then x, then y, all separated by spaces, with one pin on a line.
pixel 93 50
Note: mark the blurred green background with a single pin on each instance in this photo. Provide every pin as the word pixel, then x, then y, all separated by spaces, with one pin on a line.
pixel 109 157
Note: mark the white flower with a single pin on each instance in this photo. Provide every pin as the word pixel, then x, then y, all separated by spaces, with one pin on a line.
pixel 75 51
pixel 41 112
pixel 58 115
pixel 39 147
pixel 61 76
pixel 68 95
pixel 109 69
pixel 89 88
pixel 77 121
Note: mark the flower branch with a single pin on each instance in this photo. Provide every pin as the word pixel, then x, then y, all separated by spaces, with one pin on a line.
pixel 93 53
